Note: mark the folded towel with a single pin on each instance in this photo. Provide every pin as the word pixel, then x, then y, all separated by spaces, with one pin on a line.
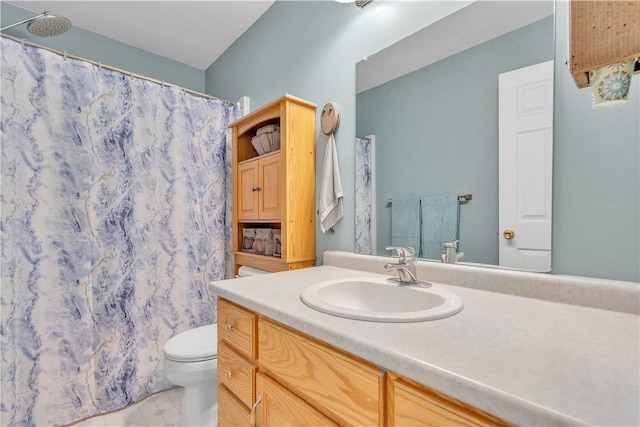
pixel 439 223
pixel 330 203
pixel 405 222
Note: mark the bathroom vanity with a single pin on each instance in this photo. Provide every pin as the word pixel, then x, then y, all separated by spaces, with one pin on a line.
pixel 526 349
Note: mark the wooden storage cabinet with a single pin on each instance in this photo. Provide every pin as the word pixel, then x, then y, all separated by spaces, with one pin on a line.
pixel 259 189
pixel 292 379
pixel 276 189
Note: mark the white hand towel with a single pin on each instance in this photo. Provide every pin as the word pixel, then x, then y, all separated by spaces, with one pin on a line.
pixel 330 204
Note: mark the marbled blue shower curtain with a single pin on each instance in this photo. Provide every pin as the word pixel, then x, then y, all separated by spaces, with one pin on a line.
pixel 113 221
pixel 365 196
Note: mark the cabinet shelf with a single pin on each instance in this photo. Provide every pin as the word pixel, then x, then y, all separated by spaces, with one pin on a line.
pixel 276 189
pixel 259 156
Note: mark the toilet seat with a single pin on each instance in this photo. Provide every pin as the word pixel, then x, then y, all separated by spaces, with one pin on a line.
pixel 194 345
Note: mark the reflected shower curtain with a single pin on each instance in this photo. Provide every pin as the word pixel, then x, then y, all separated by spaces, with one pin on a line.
pixel 113 221
pixel 365 196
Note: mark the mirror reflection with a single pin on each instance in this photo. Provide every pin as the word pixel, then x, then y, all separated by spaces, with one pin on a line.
pixel 435 131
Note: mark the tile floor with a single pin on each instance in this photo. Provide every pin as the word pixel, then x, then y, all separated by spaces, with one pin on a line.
pixel 158 410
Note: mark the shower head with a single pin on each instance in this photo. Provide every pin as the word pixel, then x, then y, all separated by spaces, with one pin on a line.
pixel 49 25
pixel 44 25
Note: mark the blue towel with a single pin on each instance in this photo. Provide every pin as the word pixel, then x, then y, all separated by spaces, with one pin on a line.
pixel 439 223
pixel 405 222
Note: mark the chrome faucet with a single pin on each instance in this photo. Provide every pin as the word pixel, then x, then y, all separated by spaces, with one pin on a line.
pixel 405 266
pixel 450 252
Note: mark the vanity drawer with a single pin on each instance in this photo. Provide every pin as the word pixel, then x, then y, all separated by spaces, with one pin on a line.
pixel 231 413
pixel 413 405
pixel 237 327
pixel 333 381
pixel 236 373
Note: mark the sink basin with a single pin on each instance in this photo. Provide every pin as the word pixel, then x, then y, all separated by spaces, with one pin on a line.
pixel 375 299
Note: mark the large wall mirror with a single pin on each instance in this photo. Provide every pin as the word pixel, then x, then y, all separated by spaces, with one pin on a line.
pixel 431 103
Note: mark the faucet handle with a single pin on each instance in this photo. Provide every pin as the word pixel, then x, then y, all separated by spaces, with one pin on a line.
pixel 406 254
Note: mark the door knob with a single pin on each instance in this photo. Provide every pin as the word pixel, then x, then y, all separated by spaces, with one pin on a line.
pixel 509 234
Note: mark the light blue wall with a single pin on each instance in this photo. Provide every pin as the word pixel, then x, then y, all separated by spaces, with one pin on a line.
pixel 437 133
pixel 92 46
pixel 310 49
pixel 596 199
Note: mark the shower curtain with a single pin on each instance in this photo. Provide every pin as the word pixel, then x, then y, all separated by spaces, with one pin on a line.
pixel 365 199
pixel 113 206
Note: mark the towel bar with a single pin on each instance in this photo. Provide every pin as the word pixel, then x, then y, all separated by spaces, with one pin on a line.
pixel 461 198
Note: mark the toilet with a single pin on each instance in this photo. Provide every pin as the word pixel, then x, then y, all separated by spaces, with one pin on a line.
pixel 191 361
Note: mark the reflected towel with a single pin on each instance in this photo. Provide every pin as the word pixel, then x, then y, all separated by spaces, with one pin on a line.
pixel 405 222
pixel 439 223
pixel 330 204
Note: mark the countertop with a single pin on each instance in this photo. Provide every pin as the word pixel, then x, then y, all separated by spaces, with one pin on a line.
pixel 525 360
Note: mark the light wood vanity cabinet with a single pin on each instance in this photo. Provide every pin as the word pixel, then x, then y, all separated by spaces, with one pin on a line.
pixel 292 379
pixel 413 405
pixel 349 388
pixel 236 364
pixel 276 190
pixel 280 407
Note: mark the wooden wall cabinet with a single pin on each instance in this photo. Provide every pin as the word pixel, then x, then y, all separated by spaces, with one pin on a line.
pixel 602 33
pixel 276 189
pixel 259 189
pixel 297 380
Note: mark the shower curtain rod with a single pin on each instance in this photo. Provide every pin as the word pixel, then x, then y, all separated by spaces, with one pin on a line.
pixel 108 67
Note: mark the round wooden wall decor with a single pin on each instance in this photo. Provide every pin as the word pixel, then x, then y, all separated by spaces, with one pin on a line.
pixel 330 118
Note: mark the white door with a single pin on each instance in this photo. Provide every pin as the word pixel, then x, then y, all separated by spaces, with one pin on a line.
pixel 525 167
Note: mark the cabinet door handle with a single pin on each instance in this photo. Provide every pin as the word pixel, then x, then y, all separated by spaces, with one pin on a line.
pixel 253 410
pixel 228 375
pixel 229 327
pixel 256 189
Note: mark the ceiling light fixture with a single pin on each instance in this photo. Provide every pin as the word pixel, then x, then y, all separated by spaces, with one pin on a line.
pixel 363 3
pixel 359 3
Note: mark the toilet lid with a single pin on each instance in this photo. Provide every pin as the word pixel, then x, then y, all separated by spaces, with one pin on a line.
pixel 194 345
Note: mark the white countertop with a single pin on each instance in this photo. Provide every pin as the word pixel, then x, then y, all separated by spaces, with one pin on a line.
pixel 527 361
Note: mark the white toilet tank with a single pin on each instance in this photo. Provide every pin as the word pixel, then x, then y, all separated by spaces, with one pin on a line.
pixel 245 271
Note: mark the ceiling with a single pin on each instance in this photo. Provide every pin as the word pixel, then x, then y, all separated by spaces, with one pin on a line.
pixel 195 33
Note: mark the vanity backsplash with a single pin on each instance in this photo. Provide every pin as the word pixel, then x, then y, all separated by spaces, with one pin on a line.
pixel 604 294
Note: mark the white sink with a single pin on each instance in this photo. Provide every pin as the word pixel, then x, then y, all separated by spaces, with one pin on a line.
pixel 376 300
